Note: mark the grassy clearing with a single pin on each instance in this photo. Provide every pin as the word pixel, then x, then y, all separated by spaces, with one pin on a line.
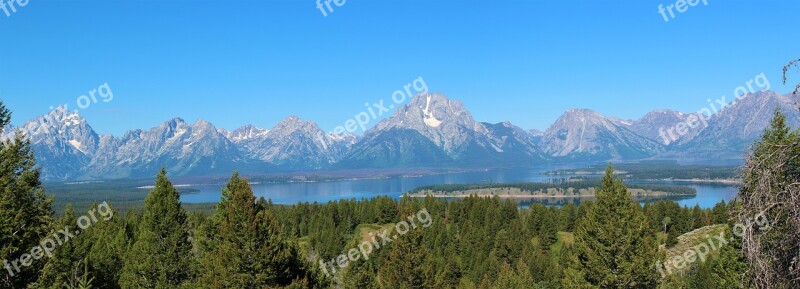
pixel 689 240
pixel 362 232
pixel 565 239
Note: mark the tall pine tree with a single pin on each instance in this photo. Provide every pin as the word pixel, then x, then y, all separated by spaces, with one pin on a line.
pixel 25 214
pixel 62 269
pixel 612 245
pixel 250 250
pixel 161 256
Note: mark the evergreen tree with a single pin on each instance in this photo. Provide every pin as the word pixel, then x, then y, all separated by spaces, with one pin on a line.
pixel 251 251
pixel 728 268
pixel 719 214
pixel 106 244
pixel 25 214
pixel 63 268
pixel 404 267
pixel 612 246
pixel 449 275
pixel 568 217
pixel 545 269
pixel 510 278
pixel 548 230
pixel 698 217
pixel 161 256
pixel 769 195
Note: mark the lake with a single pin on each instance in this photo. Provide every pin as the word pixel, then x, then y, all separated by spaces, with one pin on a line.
pixel 291 193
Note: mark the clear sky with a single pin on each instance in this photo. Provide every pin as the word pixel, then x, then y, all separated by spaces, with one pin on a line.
pixel 257 62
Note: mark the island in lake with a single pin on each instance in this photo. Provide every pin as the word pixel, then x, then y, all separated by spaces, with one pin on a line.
pixel 567 190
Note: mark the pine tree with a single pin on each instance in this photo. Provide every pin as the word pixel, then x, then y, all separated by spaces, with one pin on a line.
pixel 567 217
pixel 106 243
pixel 63 268
pixel 404 267
pixel 84 281
pixel 769 195
pixel 251 251
pixel 612 245
pixel 698 218
pixel 161 256
pixel 509 278
pixel 450 274
pixel 548 230
pixel 728 268
pixel 25 214
pixel 719 214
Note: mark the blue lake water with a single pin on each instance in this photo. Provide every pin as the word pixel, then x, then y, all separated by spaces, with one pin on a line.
pixel 291 193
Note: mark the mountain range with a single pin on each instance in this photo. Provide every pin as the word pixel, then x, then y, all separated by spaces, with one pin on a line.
pixel 430 131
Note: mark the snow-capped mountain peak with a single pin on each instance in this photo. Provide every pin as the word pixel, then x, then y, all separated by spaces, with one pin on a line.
pixel 436 117
pixel 430 131
pixel 245 133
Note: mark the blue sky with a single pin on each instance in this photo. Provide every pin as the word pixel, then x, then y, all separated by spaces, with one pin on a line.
pixel 257 62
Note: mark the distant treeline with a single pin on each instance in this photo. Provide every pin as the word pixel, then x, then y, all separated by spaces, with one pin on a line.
pixel 533 187
pixel 661 170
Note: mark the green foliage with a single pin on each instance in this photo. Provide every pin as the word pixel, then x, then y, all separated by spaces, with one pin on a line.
pixel 530 188
pixel 62 269
pixel 247 243
pixel 659 170
pixel 613 248
pixel 514 278
pixel 25 214
pixel 161 255
pixel 404 267
pixel 85 282
pixel 768 198
pixel 249 249
pixel 568 216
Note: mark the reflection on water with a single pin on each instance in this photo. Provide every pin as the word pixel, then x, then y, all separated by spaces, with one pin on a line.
pixel 291 193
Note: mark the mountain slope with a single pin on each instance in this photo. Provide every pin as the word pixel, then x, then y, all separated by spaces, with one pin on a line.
pixel 430 131
pixel 63 142
pixel 659 125
pixel 181 148
pixel 582 134
pixel 732 130
pixel 297 144
pixel 433 130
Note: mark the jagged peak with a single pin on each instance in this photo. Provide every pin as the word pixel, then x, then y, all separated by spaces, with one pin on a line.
pixel 292 119
pixel 422 97
pixel 765 94
pixel 202 123
pixel 175 121
pixel 249 128
pixel 60 110
pixel 246 132
pixel 294 123
pixel 581 113
pixel 62 115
